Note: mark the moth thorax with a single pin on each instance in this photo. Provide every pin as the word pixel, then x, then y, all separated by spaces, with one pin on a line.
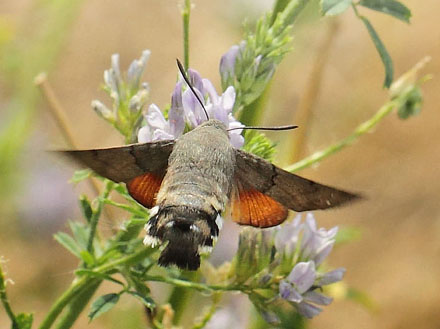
pixel 185 232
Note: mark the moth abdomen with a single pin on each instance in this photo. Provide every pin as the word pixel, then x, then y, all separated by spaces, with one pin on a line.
pixel 184 258
pixel 185 231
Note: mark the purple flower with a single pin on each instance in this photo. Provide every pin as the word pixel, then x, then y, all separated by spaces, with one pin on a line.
pixel 299 288
pixel 158 128
pixel 316 244
pixel 331 277
pixel 186 108
pixel 311 246
pixel 287 236
pixel 227 63
pixel 136 69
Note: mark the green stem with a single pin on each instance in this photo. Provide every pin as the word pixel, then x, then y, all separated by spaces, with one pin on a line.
pixel 82 283
pixel 5 301
pixel 195 285
pixel 359 131
pixel 93 225
pixel 252 113
pixel 77 305
pixel 277 8
pixel 76 287
pixel 126 261
pixel 292 10
pixel 97 214
pixel 185 16
pixel 179 297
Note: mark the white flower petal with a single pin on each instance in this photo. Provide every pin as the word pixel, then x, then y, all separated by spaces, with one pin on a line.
pixel 159 135
pixel 145 135
pixel 228 99
pixel 155 118
pixel 303 276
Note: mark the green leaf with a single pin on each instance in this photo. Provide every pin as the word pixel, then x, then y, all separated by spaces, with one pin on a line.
pixel 122 189
pixel 24 320
pixel 383 53
pixel 102 305
pixel 69 243
pixel 131 229
pixel 146 300
pixel 80 175
pixel 334 7
pixel 390 7
pixel 80 233
pixel 86 207
pixel 412 103
pixel 87 257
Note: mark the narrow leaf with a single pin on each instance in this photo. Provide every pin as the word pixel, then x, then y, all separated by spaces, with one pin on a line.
pixel 80 175
pixel 80 233
pixel 390 7
pixel 87 257
pixel 334 7
pixel 69 243
pixel 412 103
pixel 146 300
pixel 98 275
pixel 102 305
pixel 86 207
pixel 383 53
pixel 24 320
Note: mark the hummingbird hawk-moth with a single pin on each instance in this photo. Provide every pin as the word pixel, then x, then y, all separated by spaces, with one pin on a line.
pixel 188 182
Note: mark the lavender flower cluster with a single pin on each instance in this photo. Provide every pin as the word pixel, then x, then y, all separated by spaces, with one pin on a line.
pixel 307 247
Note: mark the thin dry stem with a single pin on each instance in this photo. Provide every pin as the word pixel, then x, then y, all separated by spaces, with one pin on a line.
pixel 61 120
pixel 304 112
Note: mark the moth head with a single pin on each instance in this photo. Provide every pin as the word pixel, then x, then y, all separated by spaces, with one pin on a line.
pixel 186 234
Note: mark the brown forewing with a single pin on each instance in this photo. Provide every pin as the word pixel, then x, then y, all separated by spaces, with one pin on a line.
pixel 293 192
pixel 122 164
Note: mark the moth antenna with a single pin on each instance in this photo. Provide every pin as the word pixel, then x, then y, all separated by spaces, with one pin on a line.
pixel 182 71
pixel 290 127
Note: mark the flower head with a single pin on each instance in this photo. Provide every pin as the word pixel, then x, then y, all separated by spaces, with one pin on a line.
pixel 128 95
pixel 301 285
pixel 309 245
pixel 186 108
pixel 315 244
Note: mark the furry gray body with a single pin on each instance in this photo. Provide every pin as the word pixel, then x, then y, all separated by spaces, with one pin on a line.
pixel 194 191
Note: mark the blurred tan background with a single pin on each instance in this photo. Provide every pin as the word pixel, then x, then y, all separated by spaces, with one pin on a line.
pixel 397 259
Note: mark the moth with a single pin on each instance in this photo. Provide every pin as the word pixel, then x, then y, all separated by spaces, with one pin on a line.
pixel 187 183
